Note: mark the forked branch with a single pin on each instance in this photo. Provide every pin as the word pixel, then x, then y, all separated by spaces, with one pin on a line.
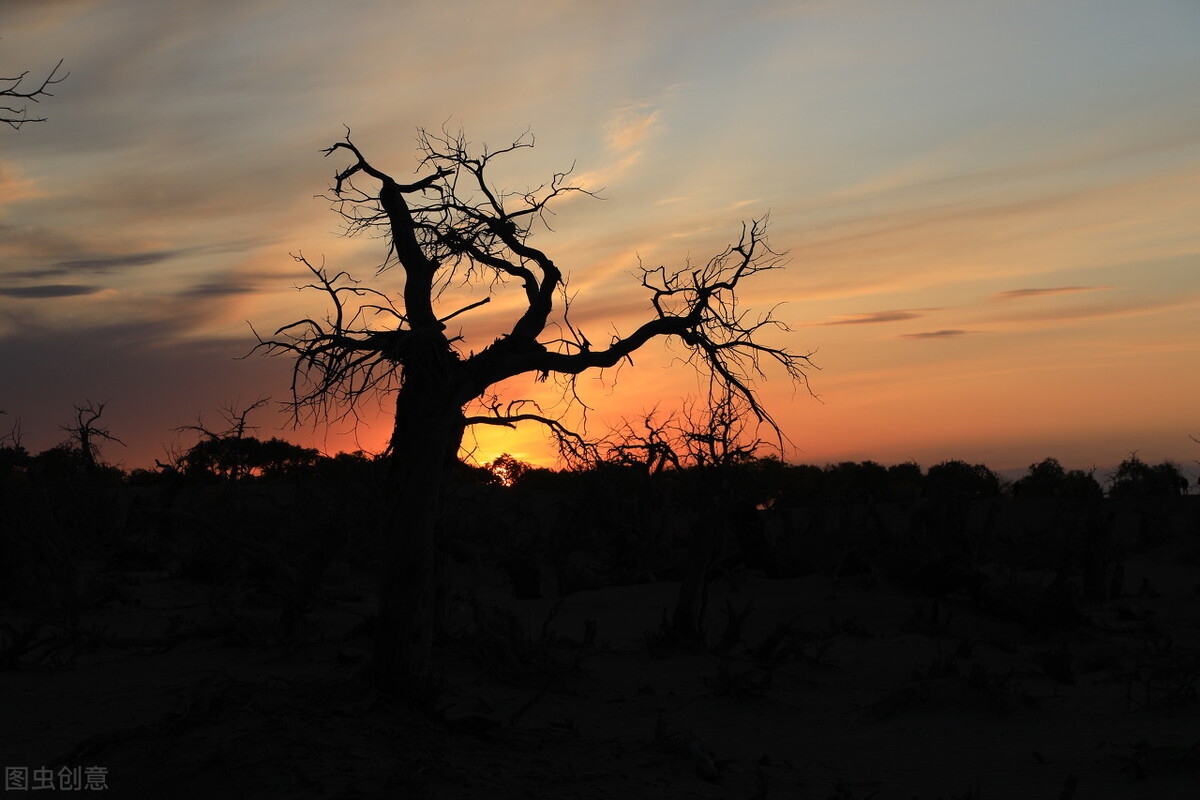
pixel 573 447
pixel 700 307
pixel 341 358
pixel 17 115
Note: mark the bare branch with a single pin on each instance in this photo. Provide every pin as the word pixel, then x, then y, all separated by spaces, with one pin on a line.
pixel 16 115
pixel 85 433
pixel 341 359
pixel 15 435
pixel 465 309
pixel 714 432
pixel 235 419
pixel 573 447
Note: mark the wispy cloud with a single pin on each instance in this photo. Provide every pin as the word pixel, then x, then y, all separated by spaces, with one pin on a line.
pixel 219 289
pixel 108 263
pixel 946 334
pixel 1099 311
pixel 14 186
pixel 629 129
pixel 630 126
pixel 48 291
pixel 37 274
pixel 875 317
pixel 1017 294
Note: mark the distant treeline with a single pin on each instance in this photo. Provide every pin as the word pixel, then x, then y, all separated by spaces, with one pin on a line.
pixel 237 507
pixel 769 480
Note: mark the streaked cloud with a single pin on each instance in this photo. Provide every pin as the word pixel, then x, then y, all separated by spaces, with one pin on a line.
pixel 49 291
pixel 104 264
pixel 1014 294
pixel 946 334
pixel 36 274
pixel 1130 308
pixel 875 317
pixel 219 289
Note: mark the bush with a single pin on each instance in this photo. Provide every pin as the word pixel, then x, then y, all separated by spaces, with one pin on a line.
pixel 1136 478
pixel 1047 479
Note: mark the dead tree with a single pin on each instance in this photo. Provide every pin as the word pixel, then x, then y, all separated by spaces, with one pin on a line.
pixel 453 227
pixel 222 450
pixel 14 438
pixel 11 91
pixel 86 435
pixel 708 441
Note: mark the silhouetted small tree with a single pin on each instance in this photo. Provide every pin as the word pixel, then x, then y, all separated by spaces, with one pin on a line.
pixel 507 469
pixel 1135 478
pixel 1048 479
pixel 958 481
pixel 13 454
pixel 853 482
pixel 231 458
pixel 86 436
pixel 226 453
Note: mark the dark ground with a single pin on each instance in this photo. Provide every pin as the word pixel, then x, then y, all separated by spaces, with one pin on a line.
pixel 849 689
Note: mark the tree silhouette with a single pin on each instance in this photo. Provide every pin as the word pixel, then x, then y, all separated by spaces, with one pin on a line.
pixel 231 454
pixel 223 453
pixel 1135 478
pixel 85 436
pixel 707 447
pixel 1047 478
pixel 454 227
pixel 959 482
pixel 12 451
pixel 11 91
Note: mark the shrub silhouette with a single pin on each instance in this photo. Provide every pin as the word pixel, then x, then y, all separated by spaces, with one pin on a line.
pixel 1136 478
pixel 958 481
pixel 1048 479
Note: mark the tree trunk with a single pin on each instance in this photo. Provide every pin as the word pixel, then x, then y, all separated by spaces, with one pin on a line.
pixel 428 432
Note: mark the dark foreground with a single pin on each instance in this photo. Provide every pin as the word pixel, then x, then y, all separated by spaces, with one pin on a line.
pixel 843 689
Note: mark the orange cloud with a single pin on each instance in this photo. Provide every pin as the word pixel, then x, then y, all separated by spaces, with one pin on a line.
pixel 630 127
pixel 14 187
pixel 946 334
pixel 1098 311
pixel 1014 294
pixel 875 317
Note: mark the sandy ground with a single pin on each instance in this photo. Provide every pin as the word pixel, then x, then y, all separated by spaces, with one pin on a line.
pixel 183 691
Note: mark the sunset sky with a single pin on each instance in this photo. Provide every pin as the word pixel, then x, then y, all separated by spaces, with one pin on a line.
pixel 991 210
